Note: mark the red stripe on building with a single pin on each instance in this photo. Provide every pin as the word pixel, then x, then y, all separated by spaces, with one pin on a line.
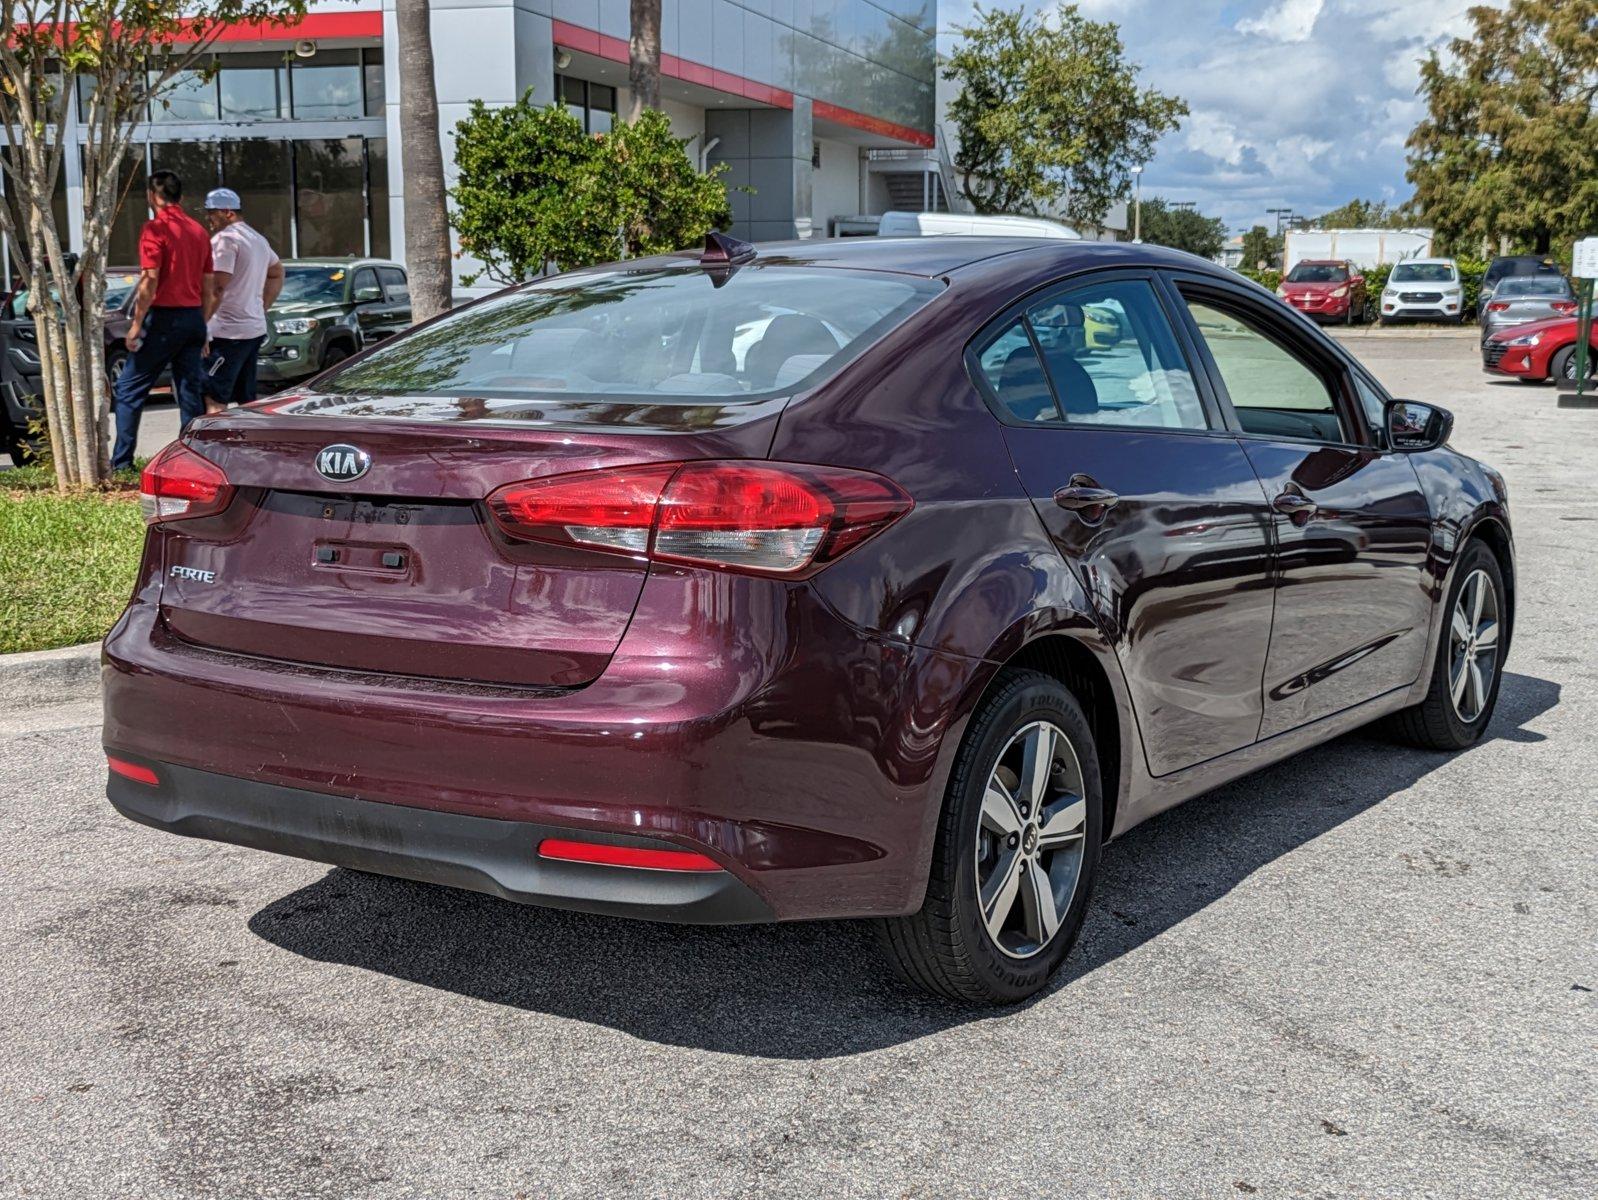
pixel 587 41
pixel 312 25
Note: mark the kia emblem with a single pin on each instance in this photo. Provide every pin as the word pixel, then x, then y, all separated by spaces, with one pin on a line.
pixel 342 462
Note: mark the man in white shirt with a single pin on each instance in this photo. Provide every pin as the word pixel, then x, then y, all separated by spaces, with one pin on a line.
pixel 249 275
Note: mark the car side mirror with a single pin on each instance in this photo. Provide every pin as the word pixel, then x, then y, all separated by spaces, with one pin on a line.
pixel 368 295
pixel 1413 426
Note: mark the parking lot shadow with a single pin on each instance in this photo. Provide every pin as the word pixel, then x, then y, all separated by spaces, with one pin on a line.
pixel 820 990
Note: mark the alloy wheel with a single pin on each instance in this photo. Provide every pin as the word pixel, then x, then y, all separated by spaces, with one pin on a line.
pixel 1031 839
pixel 1473 646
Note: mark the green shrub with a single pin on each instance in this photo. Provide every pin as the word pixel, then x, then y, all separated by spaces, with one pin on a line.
pixel 534 191
pixel 1270 280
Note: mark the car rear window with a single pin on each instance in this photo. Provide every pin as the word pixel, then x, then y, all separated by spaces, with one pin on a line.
pixel 1422 273
pixel 676 335
pixel 1317 273
pixel 1533 285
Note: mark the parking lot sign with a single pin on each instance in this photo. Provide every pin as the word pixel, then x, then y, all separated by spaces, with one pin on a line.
pixel 1583 267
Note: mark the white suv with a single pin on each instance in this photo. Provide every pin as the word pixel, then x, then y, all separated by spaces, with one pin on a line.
pixel 1423 289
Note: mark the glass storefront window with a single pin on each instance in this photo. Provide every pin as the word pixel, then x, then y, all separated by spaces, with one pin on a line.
pixel 594 104
pixel 377 189
pixel 372 67
pixel 122 248
pixel 189 96
pixel 330 197
pixel 328 85
pixel 258 170
pixel 196 165
pixel 254 87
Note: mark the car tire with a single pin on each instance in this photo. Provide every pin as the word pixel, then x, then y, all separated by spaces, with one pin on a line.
pixel 1441 721
pixel 332 356
pixel 958 947
pixel 114 362
pixel 1563 365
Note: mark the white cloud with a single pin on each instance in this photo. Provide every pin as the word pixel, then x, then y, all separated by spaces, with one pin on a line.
pixel 1290 21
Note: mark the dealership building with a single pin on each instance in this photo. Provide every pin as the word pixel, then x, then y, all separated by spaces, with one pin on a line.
pixel 822 109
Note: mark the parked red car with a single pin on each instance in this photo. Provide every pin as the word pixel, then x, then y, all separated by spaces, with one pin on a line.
pixel 1325 290
pixel 1538 350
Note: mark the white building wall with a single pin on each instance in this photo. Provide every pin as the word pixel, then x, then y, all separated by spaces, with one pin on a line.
pixel 835 185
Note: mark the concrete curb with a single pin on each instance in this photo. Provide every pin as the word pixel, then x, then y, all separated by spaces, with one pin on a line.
pixel 50 676
pixel 1460 332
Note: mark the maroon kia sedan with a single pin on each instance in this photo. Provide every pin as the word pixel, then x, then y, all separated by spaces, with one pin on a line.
pixel 829 579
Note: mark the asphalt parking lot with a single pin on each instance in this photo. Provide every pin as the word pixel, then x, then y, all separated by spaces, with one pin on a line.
pixel 1367 972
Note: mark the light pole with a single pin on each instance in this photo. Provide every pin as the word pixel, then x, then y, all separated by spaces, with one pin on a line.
pixel 1137 204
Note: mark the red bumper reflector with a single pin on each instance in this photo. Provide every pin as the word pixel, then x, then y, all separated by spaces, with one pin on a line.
pixel 132 771
pixel 624 856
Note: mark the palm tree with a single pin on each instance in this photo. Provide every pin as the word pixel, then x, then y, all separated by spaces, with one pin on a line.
pixel 422 164
pixel 643 57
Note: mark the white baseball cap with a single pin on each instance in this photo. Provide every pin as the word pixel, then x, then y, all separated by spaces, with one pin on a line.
pixel 225 198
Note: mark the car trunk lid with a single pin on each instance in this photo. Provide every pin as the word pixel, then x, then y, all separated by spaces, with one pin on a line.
pixel 400 570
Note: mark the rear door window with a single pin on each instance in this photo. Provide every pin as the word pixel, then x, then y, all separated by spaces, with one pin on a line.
pixel 1100 353
pixel 399 291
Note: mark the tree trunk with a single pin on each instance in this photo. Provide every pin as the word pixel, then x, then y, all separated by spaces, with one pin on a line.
pixel 422 164
pixel 643 57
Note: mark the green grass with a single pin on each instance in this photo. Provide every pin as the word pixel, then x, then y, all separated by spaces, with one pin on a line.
pixel 67 563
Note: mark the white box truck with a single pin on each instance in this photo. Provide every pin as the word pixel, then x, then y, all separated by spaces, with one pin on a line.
pixel 1365 248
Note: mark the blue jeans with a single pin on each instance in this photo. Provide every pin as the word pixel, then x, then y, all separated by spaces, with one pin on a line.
pixel 173 337
pixel 230 369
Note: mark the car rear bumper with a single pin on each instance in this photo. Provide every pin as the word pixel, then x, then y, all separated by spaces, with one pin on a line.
pixel 478 854
pixel 767 753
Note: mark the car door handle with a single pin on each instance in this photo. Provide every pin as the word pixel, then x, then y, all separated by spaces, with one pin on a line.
pixel 1078 497
pixel 1295 506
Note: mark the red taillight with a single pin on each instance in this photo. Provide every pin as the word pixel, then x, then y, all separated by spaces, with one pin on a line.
pixel 624 856
pixel 1498 306
pixel 1564 307
pixel 131 771
pixel 771 518
pixel 179 483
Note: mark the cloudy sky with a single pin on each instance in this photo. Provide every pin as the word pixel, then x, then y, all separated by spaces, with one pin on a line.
pixel 1299 103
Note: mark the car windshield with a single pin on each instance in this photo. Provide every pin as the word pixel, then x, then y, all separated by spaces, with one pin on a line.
pixel 118 287
pixel 677 335
pixel 321 285
pixel 1501 268
pixel 1533 285
pixel 1317 273
pixel 1423 273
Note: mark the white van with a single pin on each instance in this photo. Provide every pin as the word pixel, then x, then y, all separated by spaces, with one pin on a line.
pixel 938 224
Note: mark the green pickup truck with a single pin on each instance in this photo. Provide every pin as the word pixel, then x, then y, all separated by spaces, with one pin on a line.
pixel 329 309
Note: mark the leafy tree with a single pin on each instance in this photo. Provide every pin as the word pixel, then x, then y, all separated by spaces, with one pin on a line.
pixel 1260 247
pixel 121 56
pixel 1182 228
pixel 1049 108
pixel 534 191
pixel 1364 214
pixel 1508 145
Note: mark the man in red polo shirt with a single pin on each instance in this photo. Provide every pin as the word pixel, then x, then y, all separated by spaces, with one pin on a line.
pixel 168 330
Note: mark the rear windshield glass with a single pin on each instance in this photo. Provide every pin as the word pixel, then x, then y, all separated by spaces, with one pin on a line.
pixel 1317 273
pixel 671 335
pixel 1533 285
pixel 1422 273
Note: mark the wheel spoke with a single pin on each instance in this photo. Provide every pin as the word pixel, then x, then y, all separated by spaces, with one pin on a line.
pixel 1037 900
pixel 1063 823
pixel 1461 625
pixel 1038 757
pixel 1480 582
pixel 1461 677
pixel 999 812
pixel 998 896
pixel 1478 690
pixel 1487 636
